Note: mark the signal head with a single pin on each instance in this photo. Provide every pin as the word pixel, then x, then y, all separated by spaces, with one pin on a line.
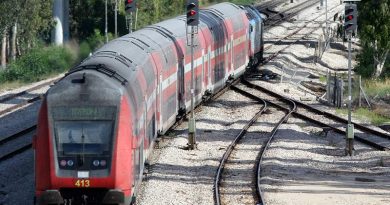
pixel 192 12
pixel 130 5
pixel 350 19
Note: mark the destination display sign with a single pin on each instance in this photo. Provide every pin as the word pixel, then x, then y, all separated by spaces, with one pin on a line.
pixel 84 113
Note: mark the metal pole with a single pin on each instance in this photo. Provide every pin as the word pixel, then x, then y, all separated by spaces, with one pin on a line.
pixel 328 86
pixel 326 25
pixel 116 18
pixel 136 19
pixel 191 123
pixel 360 91
pixel 105 30
pixel 131 23
pixel 350 134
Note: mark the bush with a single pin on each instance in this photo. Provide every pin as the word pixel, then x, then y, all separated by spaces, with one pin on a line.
pixel 365 66
pixel 92 43
pixel 38 63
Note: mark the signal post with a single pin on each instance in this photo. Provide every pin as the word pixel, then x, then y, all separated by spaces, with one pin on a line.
pixel 193 22
pixel 350 26
pixel 130 8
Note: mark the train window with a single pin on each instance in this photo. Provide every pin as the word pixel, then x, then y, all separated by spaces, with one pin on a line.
pixel 84 130
pixel 83 137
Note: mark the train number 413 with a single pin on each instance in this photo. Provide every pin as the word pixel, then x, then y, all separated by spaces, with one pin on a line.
pixel 82 183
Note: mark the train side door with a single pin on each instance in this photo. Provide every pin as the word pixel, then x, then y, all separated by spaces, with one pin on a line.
pixel 209 83
pixel 160 95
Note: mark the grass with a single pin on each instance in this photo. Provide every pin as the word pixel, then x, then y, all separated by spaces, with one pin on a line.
pixel 379 88
pixel 11 85
pixel 323 78
pixel 38 64
pixel 365 114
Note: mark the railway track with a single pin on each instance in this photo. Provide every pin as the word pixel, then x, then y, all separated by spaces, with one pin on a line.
pixel 20 148
pixel 376 139
pixel 269 5
pixel 11 97
pixel 280 40
pixel 288 112
pixel 278 17
pixel 258 196
pixel 225 157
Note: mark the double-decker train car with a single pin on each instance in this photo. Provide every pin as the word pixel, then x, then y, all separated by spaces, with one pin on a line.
pixel 97 125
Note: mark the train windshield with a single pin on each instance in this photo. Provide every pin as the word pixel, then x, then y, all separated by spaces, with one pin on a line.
pixel 84 137
pixel 84 130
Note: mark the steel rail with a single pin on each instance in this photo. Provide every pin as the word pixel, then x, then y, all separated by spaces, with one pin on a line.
pixel 218 175
pixel 26 102
pixel 297 8
pixel 323 113
pixel 16 152
pixel 288 113
pixel 17 135
pixel 13 137
pixel 14 95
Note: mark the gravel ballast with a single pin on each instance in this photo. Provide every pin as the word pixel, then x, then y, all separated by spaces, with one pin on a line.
pixel 303 166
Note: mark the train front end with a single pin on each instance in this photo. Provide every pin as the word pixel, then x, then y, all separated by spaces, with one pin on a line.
pixel 83 142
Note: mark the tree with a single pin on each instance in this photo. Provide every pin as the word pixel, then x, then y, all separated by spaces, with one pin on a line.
pixel 8 12
pixel 23 21
pixel 374 24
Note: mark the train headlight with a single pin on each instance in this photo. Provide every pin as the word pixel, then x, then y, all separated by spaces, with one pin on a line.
pixel 63 163
pixel 70 163
pixel 95 163
pixel 103 162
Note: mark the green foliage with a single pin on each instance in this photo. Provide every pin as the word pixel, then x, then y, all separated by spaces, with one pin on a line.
pixel 149 12
pixel 365 66
pixel 38 63
pixel 374 32
pixel 365 114
pixel 88 15
pixel 34 19
pixel 323 79
pixel 92 43
pixel 379 88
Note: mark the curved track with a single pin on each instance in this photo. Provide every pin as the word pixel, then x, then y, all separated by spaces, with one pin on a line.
pixel 288 112
pixel 304 111
pixel 225 157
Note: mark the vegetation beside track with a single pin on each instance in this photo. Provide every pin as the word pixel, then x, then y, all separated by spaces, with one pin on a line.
pixel 366 114
pixel 40 63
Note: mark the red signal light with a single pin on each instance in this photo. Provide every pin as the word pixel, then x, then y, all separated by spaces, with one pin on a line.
pixel 129 1
pixel 350 17
pixel 192 12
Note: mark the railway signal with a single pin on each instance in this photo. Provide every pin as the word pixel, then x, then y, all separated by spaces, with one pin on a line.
pixel 350 25
pixel 350 19
pixel 192 12
pixel 192 22
pixel 131 8
pixel 130 5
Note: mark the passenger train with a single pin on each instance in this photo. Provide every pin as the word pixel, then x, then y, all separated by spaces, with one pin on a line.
pixel 97 125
